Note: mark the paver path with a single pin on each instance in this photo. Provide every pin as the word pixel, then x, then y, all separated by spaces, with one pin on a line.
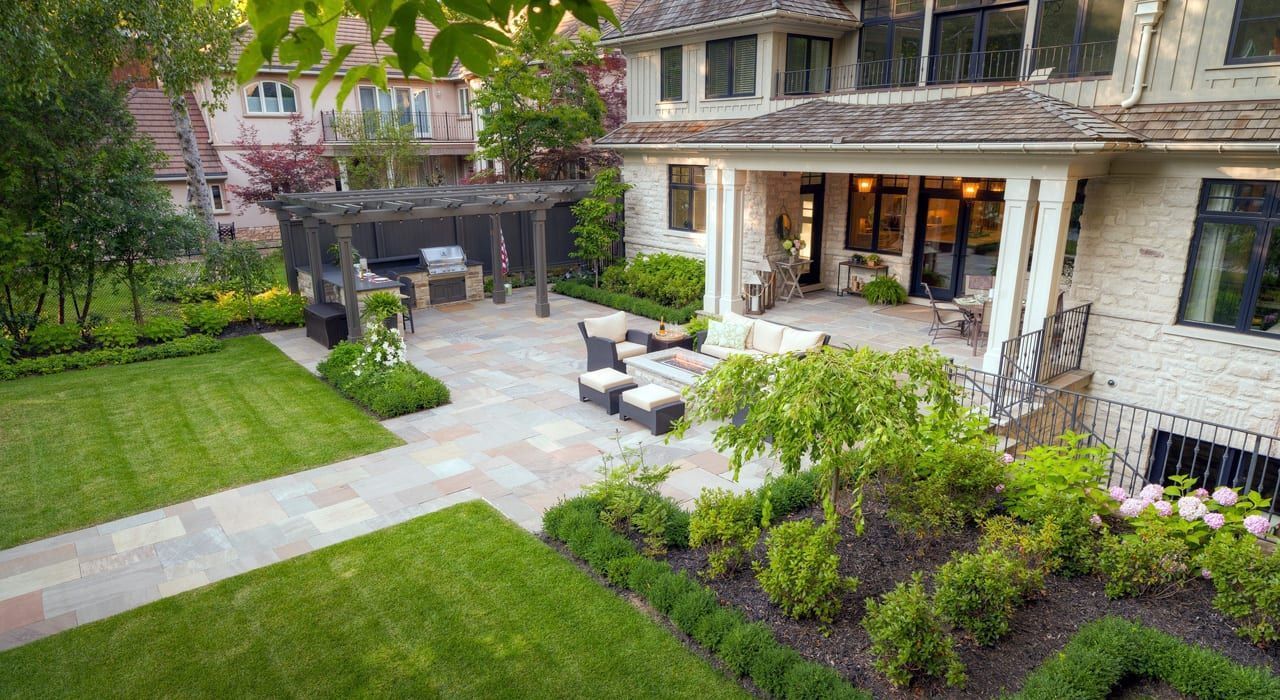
pixel 515 435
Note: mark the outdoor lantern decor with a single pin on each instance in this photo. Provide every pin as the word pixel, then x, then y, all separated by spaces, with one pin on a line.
pixel 866 184
pixel 969 189
pixel 753 295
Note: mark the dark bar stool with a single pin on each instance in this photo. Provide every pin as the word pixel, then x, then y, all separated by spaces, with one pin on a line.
pixel 410 295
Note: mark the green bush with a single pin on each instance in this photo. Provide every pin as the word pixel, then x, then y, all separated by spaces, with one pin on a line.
pixel 234 305
pixel 162 329
pixel 117 334
pixel 786 494
pixel 948 486
pixel 182 283
pixel 6 349
pixel 664 592
pixel 279 307
pixel 743 644
pixel 1150 561
pixel 693 605
pixel 1247 581
pixel 49 338
pixel 1106 652
pixel 629 497
pixel 712 629
pixel 206 317
pixel 1032 544
pixel 807 681
pixel 397 391
pixel 664 278
pixel 884 290
pixel 625 302
pixel 770 667
pixel 979 592
pixel 726 523
pixel 802 576
pixel 52 364
pixel 908 637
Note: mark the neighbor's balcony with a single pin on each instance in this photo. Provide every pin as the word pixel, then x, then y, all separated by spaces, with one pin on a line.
pixel 345 127
pixel 1012 65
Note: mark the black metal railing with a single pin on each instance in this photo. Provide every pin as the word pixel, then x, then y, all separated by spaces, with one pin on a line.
pixel 341 127
pixel 1146 445
pixel 1048 353
pixel 1005 65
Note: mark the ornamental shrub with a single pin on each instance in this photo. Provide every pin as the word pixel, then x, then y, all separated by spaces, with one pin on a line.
pixel 52 364
pixel 162 329
pixel 805 681
pixel 802 575
pixel 785 495
pixel 1190 513
pixel 950 483
pixel 49 338
pixel 625 302
pixel 6 349
pixel 385 390
pixel 693 605
pixel 234 304
pixel 725 523
pixel 769 668
pixel 979 591
pixel 743 644
pixel 279 307
pixel 664 278
pixel 884 290
pixel 629 497
pixel 908 636
pixel 712 628
pixel 117 334
pixel 1150 561
pixel 1035 545
pixel 206 317
pixel 1247 581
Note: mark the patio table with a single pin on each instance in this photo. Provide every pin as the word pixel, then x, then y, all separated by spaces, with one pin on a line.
pixel 368 282
pixel 789 272
pixel 975 308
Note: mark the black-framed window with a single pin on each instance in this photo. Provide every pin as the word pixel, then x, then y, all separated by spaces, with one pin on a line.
pixel 671 86
pixel 877 213
pixel 1077 37
pixel 731 67
pixel 890 43
pixel 687 197
pixel 808 65
pixel 1212 464
pixel 1255 32
pixel 1233 271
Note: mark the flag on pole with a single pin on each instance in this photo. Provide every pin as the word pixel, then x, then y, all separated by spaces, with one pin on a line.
pixel 502 251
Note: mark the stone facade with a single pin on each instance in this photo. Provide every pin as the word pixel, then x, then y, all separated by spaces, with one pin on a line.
pixel 646 210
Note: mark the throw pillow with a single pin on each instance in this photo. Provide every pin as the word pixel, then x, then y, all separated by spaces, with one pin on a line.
pixel 727 335
pixel 613 327
pixel 731 317
pixel 800 341
pixel 767 337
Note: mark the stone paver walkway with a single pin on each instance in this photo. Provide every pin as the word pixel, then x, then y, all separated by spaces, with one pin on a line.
pixel 515 435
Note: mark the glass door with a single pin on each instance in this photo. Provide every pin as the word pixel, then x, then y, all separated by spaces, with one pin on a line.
pixel 953 49
pixel 979 45
pixel 1001 46
pixel 937 251
pixel 421 115
pixel 811 227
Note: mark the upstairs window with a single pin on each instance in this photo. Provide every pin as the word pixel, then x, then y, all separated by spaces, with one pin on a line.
pixel 687 197
pixel 464 101
pixel 672 80
pixel 1076 38
pixel 270 97
pixel 808 65
pixel 1255 34
pixel 890 43
pixel 731 67
pixel 1233 271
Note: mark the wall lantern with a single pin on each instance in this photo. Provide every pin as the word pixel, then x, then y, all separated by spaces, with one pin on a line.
pixel 866 184
pixel 969 189
pixel 753 294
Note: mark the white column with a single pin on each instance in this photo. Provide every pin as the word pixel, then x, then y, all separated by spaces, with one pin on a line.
pixel 1010 287
pixel 1055 198
pixel 711 291
pixel 731 184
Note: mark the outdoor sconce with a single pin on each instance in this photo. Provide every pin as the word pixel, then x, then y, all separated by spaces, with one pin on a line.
pixel 753 295
pixel 866 184
pixel 969 189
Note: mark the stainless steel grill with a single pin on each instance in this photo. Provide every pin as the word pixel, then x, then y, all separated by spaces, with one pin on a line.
pixel 444 260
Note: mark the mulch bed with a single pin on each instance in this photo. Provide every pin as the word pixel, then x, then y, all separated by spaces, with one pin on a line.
pixel 881 558
pixel 239 329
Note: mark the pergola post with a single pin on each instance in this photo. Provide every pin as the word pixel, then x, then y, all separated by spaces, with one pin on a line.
pixel 347 265
pixel 541 307
pixel 312 228
pixel 286 250
pixel 495 254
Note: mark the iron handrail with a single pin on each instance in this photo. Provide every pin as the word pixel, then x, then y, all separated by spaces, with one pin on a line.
pixel 339 126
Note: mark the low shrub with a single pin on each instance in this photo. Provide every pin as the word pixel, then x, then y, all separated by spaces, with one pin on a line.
pixel 806 681
pixel 279 307
pixel 979 591
pixel 1032 544
pixel 908 637
pixel 691 607
pixel 625 302
pixel 182 283
pixel 769 668
pixel 743 644
pixel 206 317
pixel 394 390
pixel 162 329
pixel 884 290
pixel 1148 562
pixel 117 334
pixel 664 278
pixel 947 486
pixel 52 364
pixel 727 524
pixel 802 575
pixel 786 494
pixel 712 629
pixel 629 497
pixel 1106 652
pixel 49 338
pixel 1247 582
pixel 234 305
pixel 6 349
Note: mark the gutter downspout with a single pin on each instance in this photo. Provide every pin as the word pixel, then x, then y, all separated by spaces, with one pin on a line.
pixel 1147 14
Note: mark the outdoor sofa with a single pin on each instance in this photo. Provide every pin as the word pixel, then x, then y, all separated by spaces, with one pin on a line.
pixel 764 338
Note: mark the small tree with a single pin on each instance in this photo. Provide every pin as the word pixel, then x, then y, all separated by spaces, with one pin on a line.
pixel 384 152
pixel 148 231
pixel 239 265
pixel 298 166
pixel 598 226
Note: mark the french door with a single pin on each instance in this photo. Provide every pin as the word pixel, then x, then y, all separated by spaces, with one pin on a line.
pixel 811 196
pixel 955 238
pixel 981 45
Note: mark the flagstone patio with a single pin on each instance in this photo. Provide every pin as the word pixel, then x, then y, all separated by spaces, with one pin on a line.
pixel 515 435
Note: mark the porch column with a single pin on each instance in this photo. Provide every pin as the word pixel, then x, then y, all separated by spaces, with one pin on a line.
pixel 711 287
pixel 1055 198
pixel 347 266
pixel 541 305
pixel 731 241
pixel 311 227
pixel 1011 281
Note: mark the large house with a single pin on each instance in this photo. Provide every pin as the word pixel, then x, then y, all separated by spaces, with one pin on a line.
pixel 1122 153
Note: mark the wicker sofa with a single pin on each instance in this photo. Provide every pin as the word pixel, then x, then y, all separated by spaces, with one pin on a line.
pixel 764 338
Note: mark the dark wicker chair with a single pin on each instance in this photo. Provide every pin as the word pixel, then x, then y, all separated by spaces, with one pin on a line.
pixel 603 352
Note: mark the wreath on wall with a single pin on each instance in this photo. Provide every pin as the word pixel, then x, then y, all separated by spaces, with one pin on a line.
pixel 782 225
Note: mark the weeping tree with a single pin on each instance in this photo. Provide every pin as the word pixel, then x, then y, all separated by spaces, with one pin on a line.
pixel 845 411
pixel 599 220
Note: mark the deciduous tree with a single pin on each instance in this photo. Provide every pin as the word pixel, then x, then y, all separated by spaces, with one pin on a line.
pixel 297 166
pixel 598 217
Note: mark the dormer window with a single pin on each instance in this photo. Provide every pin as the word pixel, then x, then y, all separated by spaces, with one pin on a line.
pixel 808 65
pixel 731 67
pixel 672 80
pixel 270 97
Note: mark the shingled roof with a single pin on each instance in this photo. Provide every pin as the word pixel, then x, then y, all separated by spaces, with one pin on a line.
pixel 660 132
pixel 658 15
pixel 1201 121
pixel 351 30
pixel 150 109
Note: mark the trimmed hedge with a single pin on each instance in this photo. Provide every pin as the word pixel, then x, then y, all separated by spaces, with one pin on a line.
pixel 749 649
pixel 52 364
pixel 397 391
pixel 625 302
pixel 1106 652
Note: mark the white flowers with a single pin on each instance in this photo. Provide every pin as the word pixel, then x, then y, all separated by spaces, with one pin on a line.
pixel 1225 496
pixel 1151 492
pixel 1133 507
pixel 1257 525
pixel 1191 508
pixel 1164 508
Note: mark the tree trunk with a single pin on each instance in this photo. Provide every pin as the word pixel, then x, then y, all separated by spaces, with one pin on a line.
pixel 133 293
pixel 198 194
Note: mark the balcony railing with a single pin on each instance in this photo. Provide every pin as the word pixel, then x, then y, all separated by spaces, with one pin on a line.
pixel 1012 65
pixel 345 127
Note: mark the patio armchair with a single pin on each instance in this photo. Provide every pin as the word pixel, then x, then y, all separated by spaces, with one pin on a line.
pixel 609 341
pixel 947 318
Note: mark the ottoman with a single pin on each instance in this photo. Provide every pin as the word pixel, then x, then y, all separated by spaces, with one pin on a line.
pixel 603 386
pixel 655 407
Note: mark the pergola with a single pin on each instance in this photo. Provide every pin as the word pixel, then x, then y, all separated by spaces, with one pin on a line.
pixel 344 210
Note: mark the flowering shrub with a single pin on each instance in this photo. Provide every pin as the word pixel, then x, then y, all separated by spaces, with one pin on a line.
pixel 802 575
pixel 1150 561
pixel 374 374
pixel 1199 514
pixel 1247 581
pixel 908 636
pixel 725 522
pixel 383 349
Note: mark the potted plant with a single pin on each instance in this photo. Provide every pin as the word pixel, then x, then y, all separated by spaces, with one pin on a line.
pixel 858 259
pixel 873 260
pixel 384 308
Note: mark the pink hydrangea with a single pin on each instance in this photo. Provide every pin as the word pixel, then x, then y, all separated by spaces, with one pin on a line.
pixel 1225 496
pixel 1206 574
pixel 1257 525
pixel 1191 508
pixel 1164 508
pixel 999 488
pixel 1132 507
pixel 1118 494
pixel 1006 458
pixel 1201 493
pixel 1095 520
pixel 1151 492
pixel 1215 520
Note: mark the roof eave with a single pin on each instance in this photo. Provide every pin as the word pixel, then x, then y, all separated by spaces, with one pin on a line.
pixel 731 22
pixel 1056 147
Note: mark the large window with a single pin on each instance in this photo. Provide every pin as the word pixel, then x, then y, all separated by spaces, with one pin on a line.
pixel 808 65
pixel 1233 275
pixel 687 201
pixel 877 212
pixel 1212 464
pixel 731 67
pixel 890 43
pixel 1077 37
pixel 270 97
pixel 672 80
pixel 1255 35
pixel 464 101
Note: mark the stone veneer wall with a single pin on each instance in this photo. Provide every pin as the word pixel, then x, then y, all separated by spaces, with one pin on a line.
pixel 1134 240
pixel 646 212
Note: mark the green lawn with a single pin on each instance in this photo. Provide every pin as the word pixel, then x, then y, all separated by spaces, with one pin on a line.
pixel 85 447
pixel 459 603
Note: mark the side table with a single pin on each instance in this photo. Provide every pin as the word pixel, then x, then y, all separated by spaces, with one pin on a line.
pixel 669 340
pixel 846 276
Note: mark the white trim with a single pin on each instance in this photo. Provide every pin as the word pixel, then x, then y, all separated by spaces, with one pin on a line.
pixel 1067 147
pixel 733 22
pixel 244 97
pixel 1245 340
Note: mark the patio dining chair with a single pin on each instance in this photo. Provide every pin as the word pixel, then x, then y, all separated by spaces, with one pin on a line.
pixel 410 297
pixel 947 318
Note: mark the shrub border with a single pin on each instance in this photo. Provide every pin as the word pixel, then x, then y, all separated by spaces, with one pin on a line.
pixel 625 302
pixel 53 364
pixel 1105 652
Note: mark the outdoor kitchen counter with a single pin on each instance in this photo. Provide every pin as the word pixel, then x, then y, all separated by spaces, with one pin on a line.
pixel 333 283
pixel 332 278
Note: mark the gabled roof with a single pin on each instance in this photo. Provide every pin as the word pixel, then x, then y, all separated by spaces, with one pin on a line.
pixel 351 30
pixel 659 15
pixel 570 25
pixel 150 109
pixel 1201 121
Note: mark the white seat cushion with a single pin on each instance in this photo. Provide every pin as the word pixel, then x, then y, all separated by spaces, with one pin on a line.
pixel 722 352
pixel 613 327
pixel 650 396
pixel 767 337
pixel 798 341
pixel 627 349
pixel 603 380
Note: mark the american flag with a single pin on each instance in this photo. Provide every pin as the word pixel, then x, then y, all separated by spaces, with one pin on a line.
pixel 502 251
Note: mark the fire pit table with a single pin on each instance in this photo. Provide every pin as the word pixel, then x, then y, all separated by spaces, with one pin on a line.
pixel 674 368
